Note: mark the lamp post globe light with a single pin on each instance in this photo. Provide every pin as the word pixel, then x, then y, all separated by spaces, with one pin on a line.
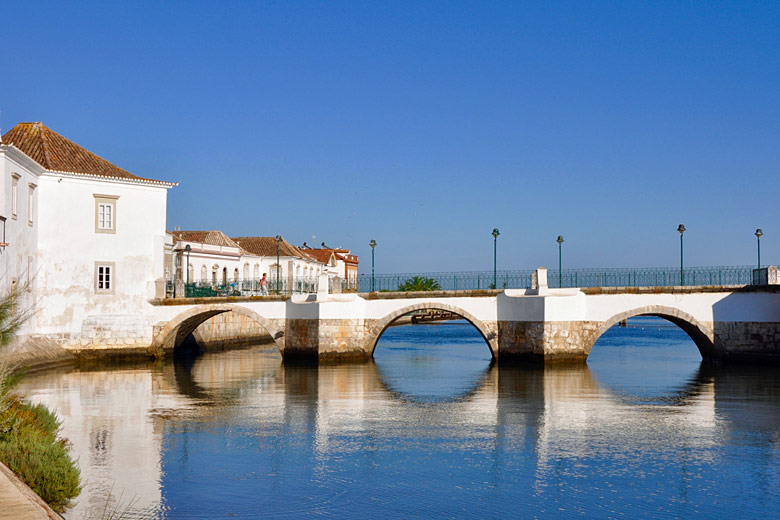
pixel 560 272
pixel 495 240
pixel 681 229
pixel 373 245
pixel 278 277
pixel 759 233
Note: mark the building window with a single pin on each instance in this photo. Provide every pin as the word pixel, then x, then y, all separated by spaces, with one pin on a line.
pixel 14 195
pixel 3 243
pixel 30 203
pixel 104 277
pixel 105 213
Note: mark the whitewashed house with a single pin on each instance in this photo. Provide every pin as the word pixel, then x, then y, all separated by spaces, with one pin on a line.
pixel 296 271
pixel 210 259
pixel 339 263
pixel 19 225
pixel 89 234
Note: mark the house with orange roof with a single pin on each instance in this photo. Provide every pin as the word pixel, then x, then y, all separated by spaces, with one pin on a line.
pixel 293 267
pixel 339 263
pixel 86 234
pixel 211 259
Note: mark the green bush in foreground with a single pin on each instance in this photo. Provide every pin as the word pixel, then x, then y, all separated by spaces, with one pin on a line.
pixel 29 434
pixel 32 449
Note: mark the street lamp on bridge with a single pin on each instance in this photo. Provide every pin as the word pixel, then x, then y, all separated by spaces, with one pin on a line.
pixel 188 248
pixel 373 245
pixel 278 276
pixel 681 229
pixel 560 273
pixel 495 240
pixel 759 233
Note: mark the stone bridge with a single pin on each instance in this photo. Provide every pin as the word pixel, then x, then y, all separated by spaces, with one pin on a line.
pixel 540 324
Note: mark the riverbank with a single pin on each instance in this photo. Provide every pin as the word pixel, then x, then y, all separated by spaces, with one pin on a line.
pixel 19 501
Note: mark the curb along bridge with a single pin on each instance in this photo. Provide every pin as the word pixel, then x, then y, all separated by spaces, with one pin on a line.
pixel 727 323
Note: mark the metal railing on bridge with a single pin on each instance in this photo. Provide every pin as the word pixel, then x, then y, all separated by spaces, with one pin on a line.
pixel 476 280
pixel 609 277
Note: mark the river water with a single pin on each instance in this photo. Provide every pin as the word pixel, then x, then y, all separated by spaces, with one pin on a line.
pixel 430 429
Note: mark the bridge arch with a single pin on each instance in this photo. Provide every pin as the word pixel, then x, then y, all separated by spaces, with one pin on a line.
pixel 173 333
pixel 701 333
pixel 488 333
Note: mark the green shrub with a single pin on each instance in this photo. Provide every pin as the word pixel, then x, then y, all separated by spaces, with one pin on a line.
pixel 29 434
pixel 33 450
pixel 420 283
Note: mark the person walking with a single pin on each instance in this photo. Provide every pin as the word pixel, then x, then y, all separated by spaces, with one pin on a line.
pixel 264 286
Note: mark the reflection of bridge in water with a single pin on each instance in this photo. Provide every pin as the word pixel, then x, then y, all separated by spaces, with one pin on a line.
pixel 118 420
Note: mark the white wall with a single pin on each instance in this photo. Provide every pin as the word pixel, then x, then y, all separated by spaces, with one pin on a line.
pixel 20 234
pixel 69 246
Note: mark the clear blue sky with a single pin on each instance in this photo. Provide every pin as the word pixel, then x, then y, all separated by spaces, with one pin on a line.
pixel 424 125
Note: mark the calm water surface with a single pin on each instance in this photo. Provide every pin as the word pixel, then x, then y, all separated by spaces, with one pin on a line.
pixel 430 429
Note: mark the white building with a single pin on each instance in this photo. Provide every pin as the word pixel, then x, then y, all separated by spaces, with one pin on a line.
pixel 210 259
pixel 89 234
pixel 205 256
pixel 339 263
pixel 294 266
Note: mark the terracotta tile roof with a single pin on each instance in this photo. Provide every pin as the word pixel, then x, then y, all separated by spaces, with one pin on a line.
pixel 321 255
pixel 266 246
pixel 213 238
pixel 55 152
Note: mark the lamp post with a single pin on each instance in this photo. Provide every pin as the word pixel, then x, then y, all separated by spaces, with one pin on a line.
pixel 373 245
pixel 176 264
pixel 681 229
pixel 278 276
pixel 560 273
pixel 495 240
pixel 188 248
pixel 758 243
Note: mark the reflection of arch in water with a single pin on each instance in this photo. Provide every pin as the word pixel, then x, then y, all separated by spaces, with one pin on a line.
pixel 701 334
pixel 485 382
pixel 687 393
pixel 490 337
pixel 181 326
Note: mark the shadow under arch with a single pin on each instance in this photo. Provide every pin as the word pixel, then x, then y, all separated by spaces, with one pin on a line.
pixel 173 333
pixel 701 334
pixel 490 336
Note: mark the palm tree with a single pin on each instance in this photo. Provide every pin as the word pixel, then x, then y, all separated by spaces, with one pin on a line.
pixel 420 283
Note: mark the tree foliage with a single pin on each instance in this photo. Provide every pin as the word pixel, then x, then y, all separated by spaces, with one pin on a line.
pixel 420 283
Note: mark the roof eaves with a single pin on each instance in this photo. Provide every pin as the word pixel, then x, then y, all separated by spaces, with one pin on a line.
pixel 121 180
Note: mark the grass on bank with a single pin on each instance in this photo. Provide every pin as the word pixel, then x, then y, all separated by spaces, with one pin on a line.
pixel 30 442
